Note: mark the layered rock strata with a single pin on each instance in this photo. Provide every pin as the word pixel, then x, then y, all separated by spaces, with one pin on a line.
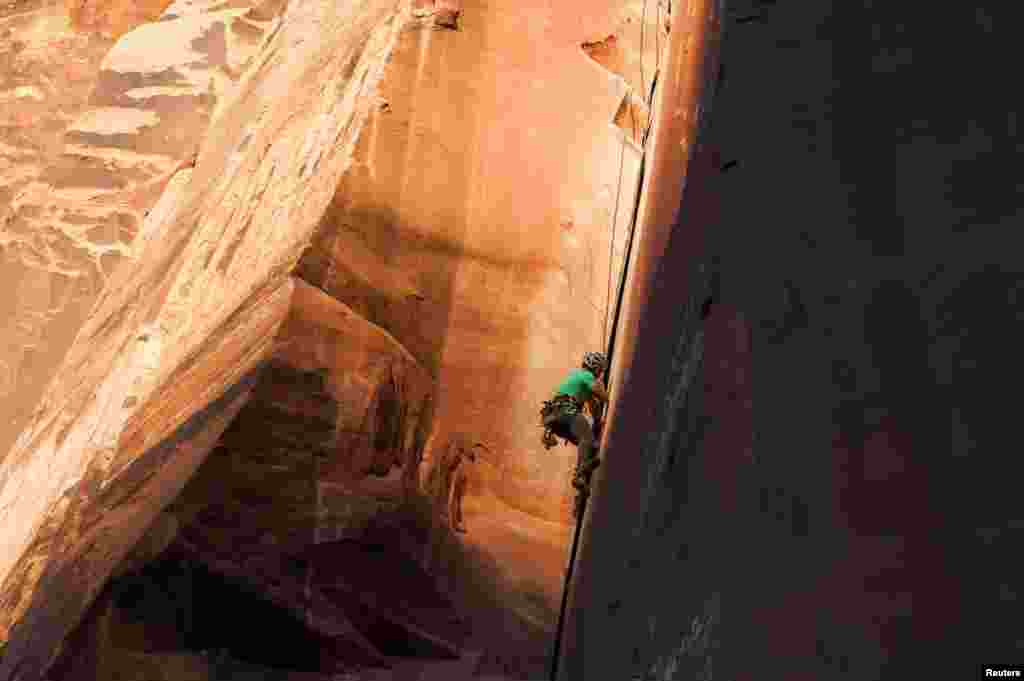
pixel 182 324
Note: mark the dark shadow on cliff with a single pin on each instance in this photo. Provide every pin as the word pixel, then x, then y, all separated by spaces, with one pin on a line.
pixel 62 589
pixel 511 621
pixel 855 519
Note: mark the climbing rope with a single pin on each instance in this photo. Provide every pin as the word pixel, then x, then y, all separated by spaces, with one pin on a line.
pixel 629 244
pixel 622 152
pixel 636 202
pixel 583 495
pixel 611 244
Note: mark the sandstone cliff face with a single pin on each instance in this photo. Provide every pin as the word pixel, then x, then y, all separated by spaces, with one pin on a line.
pixel 47 75
pixel 151 225
pixel 330 430
pixel 476 219
pixel 113 18
pixel 303 504
pixel 383 395
pixel 165 357
pixel 95 130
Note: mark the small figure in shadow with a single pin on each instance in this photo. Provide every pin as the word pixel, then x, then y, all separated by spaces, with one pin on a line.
pixel 442 468
pixel 460 482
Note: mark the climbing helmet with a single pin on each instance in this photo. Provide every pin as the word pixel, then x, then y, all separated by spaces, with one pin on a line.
pixel 595 362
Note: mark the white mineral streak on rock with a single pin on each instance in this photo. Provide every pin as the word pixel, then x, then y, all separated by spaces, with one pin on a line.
pixel 114 121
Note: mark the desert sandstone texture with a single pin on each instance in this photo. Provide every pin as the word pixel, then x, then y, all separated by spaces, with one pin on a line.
pixel 268 265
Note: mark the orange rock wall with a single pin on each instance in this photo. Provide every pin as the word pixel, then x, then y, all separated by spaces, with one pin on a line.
pixel 196 306
pixel 92 132
pixel 475 223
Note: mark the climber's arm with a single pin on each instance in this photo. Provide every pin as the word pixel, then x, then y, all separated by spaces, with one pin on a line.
pixel 598 391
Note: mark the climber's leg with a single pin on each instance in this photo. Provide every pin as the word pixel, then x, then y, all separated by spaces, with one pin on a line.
pixel 586 457
pixel 580 428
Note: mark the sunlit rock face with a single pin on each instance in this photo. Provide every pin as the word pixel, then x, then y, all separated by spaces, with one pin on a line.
pixel 112 18
pixel 92 131
pixel 169 352
pixel 210 249
pixel 475 223
pixel 47 72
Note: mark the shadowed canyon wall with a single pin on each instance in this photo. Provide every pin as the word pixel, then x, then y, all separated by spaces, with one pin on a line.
pixel 825 491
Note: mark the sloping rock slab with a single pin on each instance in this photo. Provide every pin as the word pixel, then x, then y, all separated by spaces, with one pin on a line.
pixel 283 581
pixel 267 168
pixel 97 520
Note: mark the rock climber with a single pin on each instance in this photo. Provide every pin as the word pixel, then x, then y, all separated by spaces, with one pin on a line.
pixel 563 416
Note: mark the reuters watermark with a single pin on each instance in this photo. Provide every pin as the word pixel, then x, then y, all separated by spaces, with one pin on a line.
pixel 1001 671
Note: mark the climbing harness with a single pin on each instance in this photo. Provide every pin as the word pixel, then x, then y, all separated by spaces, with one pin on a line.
pixel 552 416
pixel 558 410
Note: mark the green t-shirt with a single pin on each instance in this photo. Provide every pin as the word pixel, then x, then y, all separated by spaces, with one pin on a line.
pixel 578 384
